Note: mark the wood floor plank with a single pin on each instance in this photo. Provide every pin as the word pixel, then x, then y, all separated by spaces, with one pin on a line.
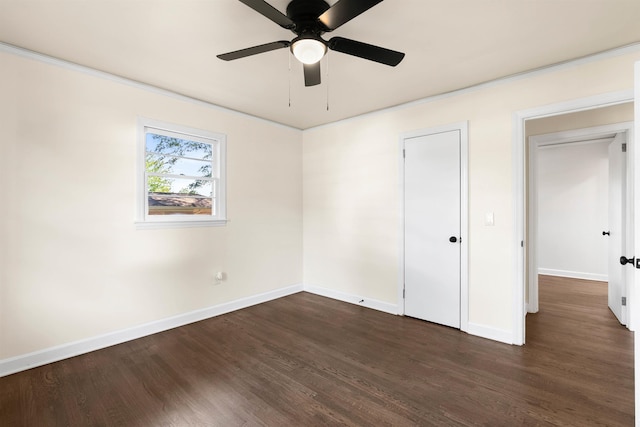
pixel 308 360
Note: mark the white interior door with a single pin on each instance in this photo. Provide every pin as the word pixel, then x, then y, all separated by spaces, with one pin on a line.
pixel 617 221
pixel 432 227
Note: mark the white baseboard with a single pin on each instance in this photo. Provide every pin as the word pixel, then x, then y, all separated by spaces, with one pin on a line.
pixel 64 351
pixel 353 299
pixel 472 328
pixel 573 274
pixel 490 333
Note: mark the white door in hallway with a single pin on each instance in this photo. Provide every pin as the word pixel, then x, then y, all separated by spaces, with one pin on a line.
pixel 432 187
pixel 617 222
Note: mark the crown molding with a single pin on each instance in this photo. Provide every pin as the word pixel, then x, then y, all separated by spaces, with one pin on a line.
pixel 36 56
pixel 611 53
pixel 30 54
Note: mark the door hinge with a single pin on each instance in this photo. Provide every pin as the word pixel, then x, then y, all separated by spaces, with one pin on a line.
pixel 624 301
pixel 624 147
pixel 404 154
pixel 522 243
pixel 403 294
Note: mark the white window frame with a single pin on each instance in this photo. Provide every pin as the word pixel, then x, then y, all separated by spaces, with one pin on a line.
pixel 219 141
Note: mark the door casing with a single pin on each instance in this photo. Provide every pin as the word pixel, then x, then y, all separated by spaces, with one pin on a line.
pixel 519 194
pixel 462 127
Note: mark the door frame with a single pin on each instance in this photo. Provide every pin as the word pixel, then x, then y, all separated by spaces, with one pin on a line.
pixel 463 128
pixel 519 193
pixel 575 136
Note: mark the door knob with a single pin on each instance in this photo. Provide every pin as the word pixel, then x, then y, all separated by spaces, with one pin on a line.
pixel 624 260
pixel 453 239
pixel 606 233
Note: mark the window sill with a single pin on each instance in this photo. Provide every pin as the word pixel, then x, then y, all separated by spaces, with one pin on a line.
pixel 154 225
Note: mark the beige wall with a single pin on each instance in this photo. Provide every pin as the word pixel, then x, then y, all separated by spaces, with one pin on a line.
pixel 351 191
pixel 73 266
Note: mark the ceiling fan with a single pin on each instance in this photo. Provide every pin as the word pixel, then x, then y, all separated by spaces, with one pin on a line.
pixel 309 19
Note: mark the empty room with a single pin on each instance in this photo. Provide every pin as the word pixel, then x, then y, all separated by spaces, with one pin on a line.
pixel 309 212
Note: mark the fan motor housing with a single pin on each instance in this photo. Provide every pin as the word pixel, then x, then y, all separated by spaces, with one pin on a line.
pixel 305 14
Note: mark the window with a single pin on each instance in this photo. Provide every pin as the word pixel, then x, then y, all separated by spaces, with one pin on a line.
pixel 182 176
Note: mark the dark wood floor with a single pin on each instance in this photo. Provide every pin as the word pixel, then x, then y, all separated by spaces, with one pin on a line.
pixel 305 360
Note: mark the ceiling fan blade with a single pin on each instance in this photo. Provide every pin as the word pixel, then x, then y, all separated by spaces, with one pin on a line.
pixel 344 11
pixel 312 74
pixel 242 53
pixel 366 51
pixel 268 11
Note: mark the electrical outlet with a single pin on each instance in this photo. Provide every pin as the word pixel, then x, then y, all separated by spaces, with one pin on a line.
pixel 219 277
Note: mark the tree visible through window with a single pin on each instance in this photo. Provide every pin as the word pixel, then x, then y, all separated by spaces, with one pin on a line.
pixel 181 174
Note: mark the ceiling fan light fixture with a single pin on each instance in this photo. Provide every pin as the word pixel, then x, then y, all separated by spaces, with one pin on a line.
pixel 309 20
pixel 308 50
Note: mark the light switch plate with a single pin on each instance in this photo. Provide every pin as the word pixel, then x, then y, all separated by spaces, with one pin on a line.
pixel 489 219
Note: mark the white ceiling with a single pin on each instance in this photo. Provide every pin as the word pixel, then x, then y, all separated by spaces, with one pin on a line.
pixel 449 44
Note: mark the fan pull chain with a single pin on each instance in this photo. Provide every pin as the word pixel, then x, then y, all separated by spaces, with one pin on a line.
pixel 289 56
pixel 327 82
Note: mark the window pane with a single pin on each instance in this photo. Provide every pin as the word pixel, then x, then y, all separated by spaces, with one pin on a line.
pixel 162 164
pixel 179 187
pixel 178 147
pixel 182 175
pixel 160 204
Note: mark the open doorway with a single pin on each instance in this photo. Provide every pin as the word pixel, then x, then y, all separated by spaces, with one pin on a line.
pixel 568 195
pixel 575 310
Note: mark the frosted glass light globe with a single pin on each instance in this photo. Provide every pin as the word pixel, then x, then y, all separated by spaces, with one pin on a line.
pixel 308 51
